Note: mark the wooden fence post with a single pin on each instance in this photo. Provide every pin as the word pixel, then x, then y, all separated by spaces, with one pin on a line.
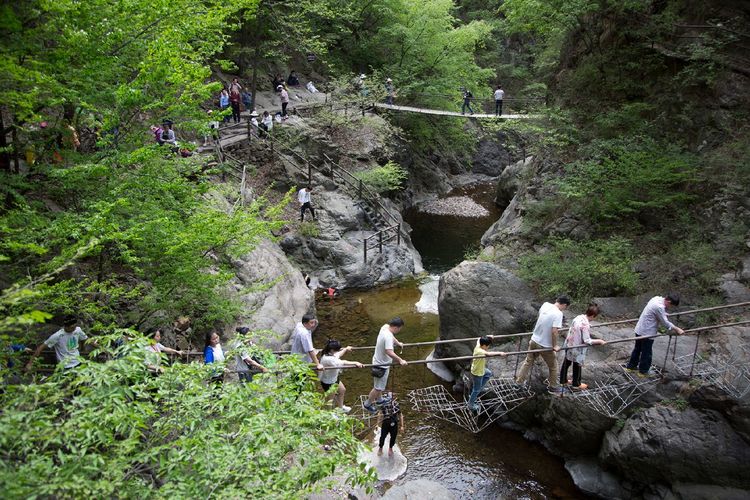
pixel 365 249
pixel 380 241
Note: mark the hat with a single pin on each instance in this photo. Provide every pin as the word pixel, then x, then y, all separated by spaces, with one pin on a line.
pixel 362 76
pixel 254 113
pixel 388 80
pixel 279 86
pixel 167 122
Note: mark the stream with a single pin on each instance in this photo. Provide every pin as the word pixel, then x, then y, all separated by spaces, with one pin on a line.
pixel 495 463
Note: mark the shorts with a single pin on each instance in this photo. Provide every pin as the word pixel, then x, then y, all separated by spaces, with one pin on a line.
pixel 380 383
pixel 326 386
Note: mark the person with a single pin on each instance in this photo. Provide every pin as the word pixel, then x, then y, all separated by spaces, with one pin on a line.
pixel 389 91
pixel 154 350
pixel 331 360
pixel 480 374
pixel 499 94
pixel 167 135
pixel 247 100
pixel 213 127
pixel 156 130
pixel 65 343
pixel 292 80
pixel 224 104
pixel 578 334
pixel 245 364
pixel 284 100
pixel 254 123
pixel 277 80
pixel 653 314
pixel 235 86
pixel 213 353
pixel 383 358
pixel 234 101
pixel 305 202
pixel 389 420
pixel 331 292
pixel 266 124
pixel 311 87
pixel 468 96
pixel 547 326
pixel 302 344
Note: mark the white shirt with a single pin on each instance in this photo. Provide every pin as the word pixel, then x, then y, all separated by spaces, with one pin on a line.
pixel 330 376
pixel 384 343
pixel 218 353
pixel 549 317
pixel 304 196
pixel 654 313
pixel 268 122
pixel 302 342
pixel 66 346
pixel 499 95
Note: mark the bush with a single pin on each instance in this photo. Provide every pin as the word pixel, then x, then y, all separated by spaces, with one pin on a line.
pixel 582 269
pixel 389 177
pixel 309 229
pixel 633 180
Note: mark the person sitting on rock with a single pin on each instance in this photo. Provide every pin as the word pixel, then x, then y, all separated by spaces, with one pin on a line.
pixel 292 81
pixel 480 374
pixel 578 334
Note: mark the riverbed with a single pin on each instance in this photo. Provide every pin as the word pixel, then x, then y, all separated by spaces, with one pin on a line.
pixel 493 464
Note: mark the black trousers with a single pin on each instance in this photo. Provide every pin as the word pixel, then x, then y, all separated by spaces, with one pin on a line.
pixel 283 108
pixel 499 107
pixel 576 372
pixel 236 112
pixel 306 206
pixel 386 429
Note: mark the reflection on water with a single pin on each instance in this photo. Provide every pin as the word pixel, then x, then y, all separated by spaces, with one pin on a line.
pixel 443 240
pixel 493 464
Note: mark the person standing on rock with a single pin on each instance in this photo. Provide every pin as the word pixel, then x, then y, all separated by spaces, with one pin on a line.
pixel 305 203
pixel 480 374
pixel 284 100
pixel 578 334
pixel 499 94
pixel 389 420
pixel 383 358
pixel 547 326
pixel 653 314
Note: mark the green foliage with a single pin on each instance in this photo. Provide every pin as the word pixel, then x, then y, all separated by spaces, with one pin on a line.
pixel 389 177
pixel 679 404
pixel 309 229
pixel 582 269
pixel 114 430
pixel 630 179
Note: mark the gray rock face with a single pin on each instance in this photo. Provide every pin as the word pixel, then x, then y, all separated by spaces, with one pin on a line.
pixel 592 479
pixel 510 181
pixel 663 444
pixel 478 298
pixel 734 291
pixel 420 488
pixel 279 307
pixel 491 157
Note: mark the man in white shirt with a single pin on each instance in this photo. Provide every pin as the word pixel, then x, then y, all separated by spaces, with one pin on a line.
pixel 302 344
pixel 547 327
pixel 305 203
pixel 383 358
pixel 65 343
pixel 653 314
pixel 499 94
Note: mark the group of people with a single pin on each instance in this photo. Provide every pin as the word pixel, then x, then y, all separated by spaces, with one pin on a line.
pixel 235 96
pixel 544 341
pixel 498 95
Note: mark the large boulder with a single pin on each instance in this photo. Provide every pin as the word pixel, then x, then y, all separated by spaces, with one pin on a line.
pixel 478 298
pixel 510 181
pixel 273 291
pixel 491 157
pixel 666 445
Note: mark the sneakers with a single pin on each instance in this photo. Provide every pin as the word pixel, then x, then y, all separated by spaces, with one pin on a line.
pixel 628 369
pixel 645 375
pixel 346 409
pixel 581 387
pixel 368 406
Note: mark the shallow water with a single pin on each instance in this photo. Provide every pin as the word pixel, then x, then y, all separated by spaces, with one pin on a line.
pixel 442 240
pixel 495 463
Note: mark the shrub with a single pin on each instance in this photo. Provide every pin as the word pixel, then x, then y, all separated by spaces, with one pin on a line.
pixel 309 229
pixel 582 269
pixel 626 179
pixel 389 177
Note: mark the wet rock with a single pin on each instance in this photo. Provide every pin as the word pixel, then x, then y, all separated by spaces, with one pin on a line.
pixel 689 491
pixel 279 307
pixel 420 488
pixel 588 475
pixel 664 445
pixel 458 206
pixel 477 298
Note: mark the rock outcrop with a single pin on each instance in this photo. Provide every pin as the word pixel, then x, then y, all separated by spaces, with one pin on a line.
pixel 477 298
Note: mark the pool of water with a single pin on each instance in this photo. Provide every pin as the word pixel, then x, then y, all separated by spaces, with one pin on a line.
pixel 495 463
pixel 443 240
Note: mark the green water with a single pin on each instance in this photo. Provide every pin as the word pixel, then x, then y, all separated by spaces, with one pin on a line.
pixel 495 463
